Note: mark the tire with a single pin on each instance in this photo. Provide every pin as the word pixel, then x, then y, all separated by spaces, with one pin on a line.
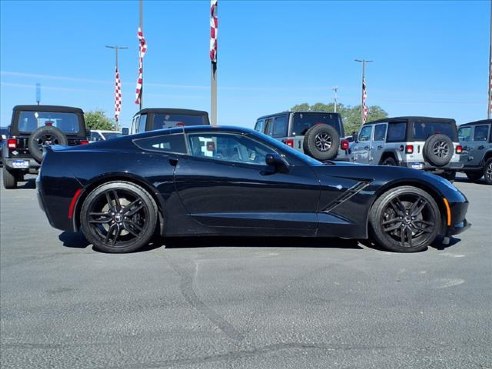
pixel 438 150
pixel 9 179
pixel 42 136
pixel 389 161
pixel 475 175
pixel 487 172
pixel 119 217
pixel 449 175
pixel 321 141
pixel 404 219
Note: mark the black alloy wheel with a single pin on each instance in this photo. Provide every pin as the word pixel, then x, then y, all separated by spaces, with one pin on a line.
pixel 487 173
pixel 405 219
pixel 119 217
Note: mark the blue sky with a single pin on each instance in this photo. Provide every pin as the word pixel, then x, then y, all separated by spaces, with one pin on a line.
pixel 429 57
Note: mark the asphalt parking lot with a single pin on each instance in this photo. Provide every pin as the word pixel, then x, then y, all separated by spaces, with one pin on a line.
pixel 255 303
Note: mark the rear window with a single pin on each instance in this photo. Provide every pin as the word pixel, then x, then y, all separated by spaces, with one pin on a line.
pixel 423 130
pixel 303 121
pixel 29 121
pixel 177 120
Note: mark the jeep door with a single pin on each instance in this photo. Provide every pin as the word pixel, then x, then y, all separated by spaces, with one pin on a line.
pixel 378 143
pixel 362 148
pixel 479 144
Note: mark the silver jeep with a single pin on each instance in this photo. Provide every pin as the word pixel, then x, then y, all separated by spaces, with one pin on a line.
pixel 476 139
pixel 416 142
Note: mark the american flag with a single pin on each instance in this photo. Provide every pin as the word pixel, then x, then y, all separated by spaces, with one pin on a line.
pixel 142 49
pixel 117 95
pixel 365 109
pixel 214 23
pixel 489 111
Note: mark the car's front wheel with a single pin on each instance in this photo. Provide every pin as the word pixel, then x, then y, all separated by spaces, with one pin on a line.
pixel 119 217
pixel 404 219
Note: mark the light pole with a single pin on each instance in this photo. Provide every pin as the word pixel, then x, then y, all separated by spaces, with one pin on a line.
pixel 363 98
pixel 335 90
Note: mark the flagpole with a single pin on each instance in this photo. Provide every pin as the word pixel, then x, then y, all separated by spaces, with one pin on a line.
pixel 363 61
pixel 116 48
pixel 213 61
pixel 140 8
pixel 489 104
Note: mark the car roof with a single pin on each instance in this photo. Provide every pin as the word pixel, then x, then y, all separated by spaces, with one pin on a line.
pixel 53 108
pixel 299 111
pixel 412 118
pixel 172 111
pixel 483 121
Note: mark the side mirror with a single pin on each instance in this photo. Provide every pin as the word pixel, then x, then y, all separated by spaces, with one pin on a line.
pixel 276 163
pixel 125 131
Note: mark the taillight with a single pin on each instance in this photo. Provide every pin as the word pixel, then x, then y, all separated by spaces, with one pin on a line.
pixel 289 142
pixel 459 149
pixel 84 142
pixel 12 143
pixel 409 149
pixel 344 144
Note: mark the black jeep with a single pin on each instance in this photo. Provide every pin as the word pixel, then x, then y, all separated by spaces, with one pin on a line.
pixel 32 127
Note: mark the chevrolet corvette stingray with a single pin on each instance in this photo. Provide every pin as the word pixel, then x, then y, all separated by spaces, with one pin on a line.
pixel 230 181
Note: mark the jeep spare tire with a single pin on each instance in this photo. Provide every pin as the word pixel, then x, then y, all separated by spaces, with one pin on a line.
pixel 438 150
pixel 321 141
pixel 47 135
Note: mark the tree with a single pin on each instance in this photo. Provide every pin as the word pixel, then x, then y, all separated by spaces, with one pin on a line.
pixel 351 116
pixel 98 120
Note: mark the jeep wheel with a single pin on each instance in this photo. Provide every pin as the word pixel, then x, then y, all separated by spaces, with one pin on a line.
pixel 42 136
pixel 389 161
pixel 474 176
pixel 438 150
pixel 487 172
pixel 9 179
pixel 321 141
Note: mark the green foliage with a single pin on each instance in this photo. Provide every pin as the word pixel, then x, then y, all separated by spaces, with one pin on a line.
pixel 351 116
pixel 98 120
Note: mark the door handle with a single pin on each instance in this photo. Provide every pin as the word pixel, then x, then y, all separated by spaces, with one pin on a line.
pixel 173 161
pixel 366 147
pixel 380 147
pixel 481 147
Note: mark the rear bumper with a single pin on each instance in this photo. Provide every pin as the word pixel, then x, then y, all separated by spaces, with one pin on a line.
pixel 452 166
pixel 23 165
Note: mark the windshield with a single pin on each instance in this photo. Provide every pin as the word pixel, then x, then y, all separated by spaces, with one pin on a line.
pixel 65 122
pixel 303 121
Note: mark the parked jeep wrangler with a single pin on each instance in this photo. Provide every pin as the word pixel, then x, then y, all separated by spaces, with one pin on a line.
pixel 32 127
pixel 417 142
pixel 476 139
pixel 317 134
pixel 150 119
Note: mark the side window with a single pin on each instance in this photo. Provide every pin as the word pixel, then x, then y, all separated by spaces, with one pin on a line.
pixel 481 133
pixel 174 143
pixel 268 126
pixel 228 147
pixel 141 123
pixel 280 126
pixel 380 132
pixel 260 125
pixel 396 132
pixel 464 134
pixel 365 134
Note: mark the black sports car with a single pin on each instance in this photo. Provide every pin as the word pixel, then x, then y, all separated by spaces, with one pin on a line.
pixel 229 181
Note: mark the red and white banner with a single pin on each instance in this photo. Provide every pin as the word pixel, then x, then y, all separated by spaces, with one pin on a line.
pixel 142 49
pixel 117 95
pixel 214 23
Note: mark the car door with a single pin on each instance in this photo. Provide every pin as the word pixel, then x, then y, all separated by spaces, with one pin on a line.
pixel 226 185
pixel 479 144
pixel 377 144
pixel 361 150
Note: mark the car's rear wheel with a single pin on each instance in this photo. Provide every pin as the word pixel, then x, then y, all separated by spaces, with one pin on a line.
pixel 321 141
pixel 438 150
pixel 404 219
pixel 389 161
pixel 47 135
pixel 119 217
pixel 474 175
pixel 487 172
pixel 9 179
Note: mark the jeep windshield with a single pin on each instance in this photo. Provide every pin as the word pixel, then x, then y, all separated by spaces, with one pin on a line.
pixel 423 130
pixel 177 120
pixel 301 122
pixel 29 121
